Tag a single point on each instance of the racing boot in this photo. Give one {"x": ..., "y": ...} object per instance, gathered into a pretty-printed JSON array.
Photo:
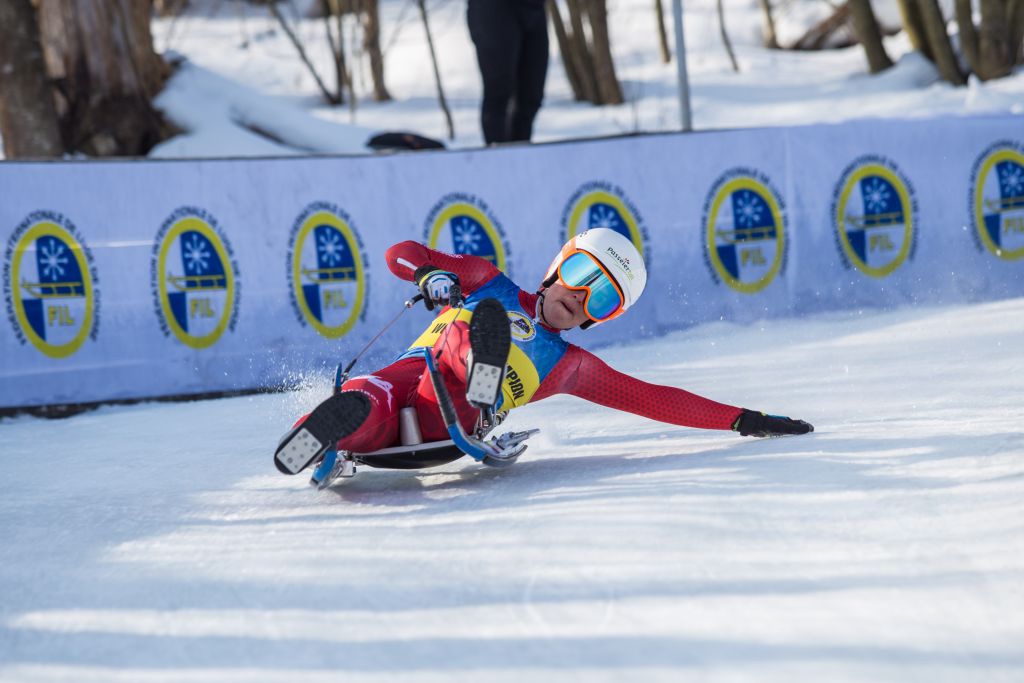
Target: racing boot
[
  {"x": 334, "y": 419},
  {"x": 489, "y": 339}
]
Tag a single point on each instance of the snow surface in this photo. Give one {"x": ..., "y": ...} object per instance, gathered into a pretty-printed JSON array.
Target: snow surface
[{"x": 157, "y": 542}]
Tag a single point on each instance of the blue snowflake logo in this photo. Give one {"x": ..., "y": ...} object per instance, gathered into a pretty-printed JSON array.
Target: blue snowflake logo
[
  {"x": 876, "y": 196},
  {"x": 603, "y": 217},
  {"x": 466, "y": 236},
  {"x": 196, "y": 255},
  {"x": 748, "y": 208},
  {"x": 1011, "y": 177},
  {"x": 53, "y": 260},
  {"x": 331, "y": 247}
]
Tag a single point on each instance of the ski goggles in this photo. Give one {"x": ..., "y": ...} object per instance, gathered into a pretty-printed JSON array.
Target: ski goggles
[{"x": 604, "y": 299}]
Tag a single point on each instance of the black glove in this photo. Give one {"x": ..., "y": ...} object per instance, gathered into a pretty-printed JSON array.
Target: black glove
[
  {"x": 751, "y": 423},
  {"x": 438, "y": 286}
]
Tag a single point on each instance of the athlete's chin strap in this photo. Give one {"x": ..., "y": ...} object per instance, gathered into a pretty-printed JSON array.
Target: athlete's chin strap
[{"x": 538, "y": 314}]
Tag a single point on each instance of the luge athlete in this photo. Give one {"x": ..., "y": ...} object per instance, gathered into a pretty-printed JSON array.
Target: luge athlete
[{"x": 509, "y": 354}]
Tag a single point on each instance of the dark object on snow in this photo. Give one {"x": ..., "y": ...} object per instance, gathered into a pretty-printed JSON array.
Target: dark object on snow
[{"x": 385, "y": 141}]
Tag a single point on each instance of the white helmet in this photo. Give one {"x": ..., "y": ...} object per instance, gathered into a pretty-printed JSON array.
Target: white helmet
[{"x": 618, "y": 258}]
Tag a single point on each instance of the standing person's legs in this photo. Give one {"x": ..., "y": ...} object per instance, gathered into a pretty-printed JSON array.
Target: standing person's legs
[
  {"x": 496, "y": 35},
  {"x": 532, "y": 69}
]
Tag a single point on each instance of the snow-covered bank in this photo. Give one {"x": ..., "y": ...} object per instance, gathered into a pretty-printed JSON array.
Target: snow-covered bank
[
  {"x": 158, "y": 543},
  {"x": 224, "y": 118},
  {"x": 244, "y": 44},
  {"x": 773, "y": 88}
]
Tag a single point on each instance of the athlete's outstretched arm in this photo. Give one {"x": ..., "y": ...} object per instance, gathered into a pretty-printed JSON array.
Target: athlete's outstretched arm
[
  {"x": 583, "y": 374},
  {"x": 405, "y": 258}
]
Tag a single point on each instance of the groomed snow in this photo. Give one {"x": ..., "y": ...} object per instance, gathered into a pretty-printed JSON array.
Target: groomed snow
[{"x": 158, "y": 543}]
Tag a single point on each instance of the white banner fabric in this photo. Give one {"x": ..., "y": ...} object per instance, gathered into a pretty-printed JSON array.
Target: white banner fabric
[{"x": 132, "y": 279}]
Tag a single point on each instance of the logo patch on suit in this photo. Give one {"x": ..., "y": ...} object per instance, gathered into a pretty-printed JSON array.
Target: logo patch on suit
[{"x": 522, "y": 327}]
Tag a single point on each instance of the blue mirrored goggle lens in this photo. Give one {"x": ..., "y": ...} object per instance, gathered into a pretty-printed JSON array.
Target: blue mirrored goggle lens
[{"x": 580, "y": 270}]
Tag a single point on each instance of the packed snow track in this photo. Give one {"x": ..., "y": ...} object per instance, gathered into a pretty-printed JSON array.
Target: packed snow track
[{"x": 157, "y": 542}]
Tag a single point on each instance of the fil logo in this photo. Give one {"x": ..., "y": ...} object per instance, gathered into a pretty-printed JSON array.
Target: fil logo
[
  {"x": 875, "y": 215},
  {"x": 50, "y": 285},
  {"x": 600, "y": 204},
  {"x": 463, "y": 224},
  {"x": 997, "y": 199},
  {"x": 327, "y": 270},
  {"x": 745, "y": 230},
  {"x": 194, "y": 278}
]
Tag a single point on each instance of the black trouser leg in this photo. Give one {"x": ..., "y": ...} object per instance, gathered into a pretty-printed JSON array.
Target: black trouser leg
[
  {"x": 496, "y": 34},
  {"x": 532, "y": 70}
]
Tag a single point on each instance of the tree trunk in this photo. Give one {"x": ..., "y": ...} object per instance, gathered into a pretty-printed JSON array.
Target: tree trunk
[
  {"x": 28, "y": 116},
  {"x": 995, "y": 57},
  {"x": 437, "y": 71},
  {"x": 572, "y": 70},
  {"x": 371, "y": 43},
  {"x": 913, "y": 24},
  {"x": 866, "y": 27},
  {"x": 101, "y": 54},
  {"x": 331, "y": 97},
  {"x": 968, "y": 33},
  {"x": 342, "y": 77},
  {"x": 588, "y": 77},
  {"x": 604, "y": 67},
  {"x": 770, "y": 39},
  {"x": 725, "y": 36},
  {"x": 659, "y": 10},
  {"x": 938, "y": 40},
  {"x": 816, "y": 37},
  {"x": 1015, "y": 12}
]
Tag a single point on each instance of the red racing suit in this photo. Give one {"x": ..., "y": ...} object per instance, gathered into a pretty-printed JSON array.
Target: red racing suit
[{"x": 541, "y": 364}]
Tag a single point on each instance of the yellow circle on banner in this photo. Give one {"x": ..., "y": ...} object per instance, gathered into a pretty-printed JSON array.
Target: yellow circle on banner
[
  {"x": 735, "y": 185},
  {"x": 908, "y": 219},
  {"x": 196, "y": 224},
  {"x": 463, "y": 209},
  {"x": 327, "y": 218},
  {"x": 601, "y": 197},
  {"x": 979, "y": 203},
  {"x": 37, "y": 231}
]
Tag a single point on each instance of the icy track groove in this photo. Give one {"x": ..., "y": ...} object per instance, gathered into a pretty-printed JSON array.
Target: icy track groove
[{"x": 158, "y": 543}]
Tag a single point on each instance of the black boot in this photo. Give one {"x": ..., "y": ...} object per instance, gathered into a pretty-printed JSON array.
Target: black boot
[
  {"x": 490, "y": 338},
  {"x": 334, "y": 419}
]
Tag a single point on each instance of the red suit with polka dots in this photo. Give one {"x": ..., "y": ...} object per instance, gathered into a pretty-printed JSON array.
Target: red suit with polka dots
[{"x": 541, "y": 364}]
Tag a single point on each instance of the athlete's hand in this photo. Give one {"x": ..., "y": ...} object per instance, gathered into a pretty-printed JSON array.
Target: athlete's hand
[
  {"x": 436, "y": 285},
  {"x": 752, "y": 423}
]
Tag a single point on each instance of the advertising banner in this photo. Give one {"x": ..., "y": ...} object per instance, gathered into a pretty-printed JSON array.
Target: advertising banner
[{"x": 133, "y": 279}]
